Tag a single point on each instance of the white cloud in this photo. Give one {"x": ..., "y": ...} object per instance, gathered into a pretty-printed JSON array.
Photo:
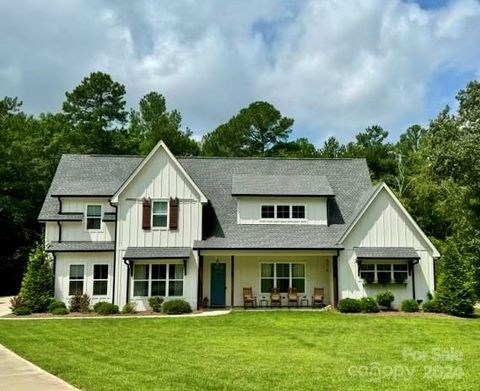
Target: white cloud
[{"x": 334, "y": 66}]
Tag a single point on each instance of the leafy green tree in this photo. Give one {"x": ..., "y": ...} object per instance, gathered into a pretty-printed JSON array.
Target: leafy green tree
[
  {"x": 455, "y": 294},
  {"x": 37, "y": 284},
  {"x": 95, "y": 110},
  {"x": 299, "y": 148},
  {"x": 254, "y": 131},
  {"x": 332, "y": 148},
  {"x": 152, "y": 122}
]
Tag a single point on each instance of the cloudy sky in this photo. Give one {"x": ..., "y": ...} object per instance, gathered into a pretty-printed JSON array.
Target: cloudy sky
[{"x": 334, "y": 66}]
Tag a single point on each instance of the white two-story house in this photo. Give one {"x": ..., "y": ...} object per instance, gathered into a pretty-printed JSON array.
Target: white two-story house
[{"x": 124, "y": 228}]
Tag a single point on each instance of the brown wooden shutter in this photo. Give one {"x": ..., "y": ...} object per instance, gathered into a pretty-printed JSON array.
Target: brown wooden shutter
[
  {"x": 147, "y": 212},
  {"x": 173, "y": 213}
]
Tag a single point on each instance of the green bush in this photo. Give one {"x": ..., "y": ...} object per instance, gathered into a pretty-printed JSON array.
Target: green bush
[
  {"x": 80, "y": 303},
  {"x": 409, "y": 305},
  {"x": 456, "y": 286},
  {"x": 105, "y": 308},
  {"x": 385, "y": 299},
  {"x": 431, "y": 306},
  {"x": 56, "y": 304},
  {"x": 15, "y": 302},
  {"x": 177, "y": 306},
  {"x": 129, "y": 308},
  {"x": 37, "y": 284},
  {"x": 22, "y": 310},
  {"x": 368, "y": 304},
  {"x": 155, "y": 303},
  {"x": 349, "y": 305},
  {"x": 59, "y": 311}
]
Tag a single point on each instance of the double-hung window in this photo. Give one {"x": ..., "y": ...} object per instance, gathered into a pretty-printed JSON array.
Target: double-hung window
[
  {"x": 158, "y": 280},
  {"x": 100, "y": 280},
  {"x": 94, "y": 216},
  {"x": 160, "y": 214},
  {"x": 76, "y": 279},
  {"x": 282, "y": 276}
]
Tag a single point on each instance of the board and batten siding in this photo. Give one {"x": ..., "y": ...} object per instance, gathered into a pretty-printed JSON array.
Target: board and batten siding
[
  {"x": 159, "y": 179},
  {"x": 384, "y": 225},
  {"x": 249, "y": 210}
]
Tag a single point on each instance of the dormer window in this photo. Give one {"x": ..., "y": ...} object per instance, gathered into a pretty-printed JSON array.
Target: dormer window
[
  {"x": 283, "y": 211},
  {"x": 94, "y": 217},
  {"x": 268, "y": 211},
  {"x": 298, "y": 211}
]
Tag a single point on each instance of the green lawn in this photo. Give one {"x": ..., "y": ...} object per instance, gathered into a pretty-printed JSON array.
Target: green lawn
[{"x": 254, "y": 351}]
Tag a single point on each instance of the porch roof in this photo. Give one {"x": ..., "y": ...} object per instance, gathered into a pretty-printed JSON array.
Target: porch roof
[
  {"x": 386, "y": 253},
  {"x": 80, "y": 247},
  {"x": 157, "y": 253}
]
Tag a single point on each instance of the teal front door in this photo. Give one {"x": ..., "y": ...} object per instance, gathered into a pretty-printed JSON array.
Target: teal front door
[{"x": 217, "y": 284}]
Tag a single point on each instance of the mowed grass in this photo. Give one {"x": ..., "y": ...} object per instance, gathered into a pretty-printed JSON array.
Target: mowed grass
[{"x": 254, "y": 351}]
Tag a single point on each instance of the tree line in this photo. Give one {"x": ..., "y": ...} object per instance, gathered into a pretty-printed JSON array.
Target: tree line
[{"x": 434, "y": 170}]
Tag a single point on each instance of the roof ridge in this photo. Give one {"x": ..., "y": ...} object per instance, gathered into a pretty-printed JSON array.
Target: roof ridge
[
  {"x": 102, "y": 155},
  {"x": 267, "y": 158}
]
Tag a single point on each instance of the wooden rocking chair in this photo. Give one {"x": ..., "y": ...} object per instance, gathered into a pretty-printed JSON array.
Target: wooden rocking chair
[
  {"x": 248, "y": 298},
  {"x": 275, "y": 298},
  {"x": 292, "y": 296},
  {"x": 317, "y": 298}
]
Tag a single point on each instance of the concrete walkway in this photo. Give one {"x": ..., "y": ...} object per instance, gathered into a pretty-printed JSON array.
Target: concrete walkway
[
  {"x": 5, "y": 305},
  {"x": 18, "y": 374}
]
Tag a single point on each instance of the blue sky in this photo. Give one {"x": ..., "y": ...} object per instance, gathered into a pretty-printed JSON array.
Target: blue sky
[{"x": 335, "y": 66}]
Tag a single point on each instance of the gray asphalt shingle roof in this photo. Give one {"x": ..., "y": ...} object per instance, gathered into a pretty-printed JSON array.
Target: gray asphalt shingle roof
[
  {"x": 157, "y": 253},
  {"x": 281, "y": 185},
  {"x": 386, "y": 253},
  {"x": 86, "y": 175},
  {"x": 348, "y": 180},
  {"x": 80, "y": 246}
]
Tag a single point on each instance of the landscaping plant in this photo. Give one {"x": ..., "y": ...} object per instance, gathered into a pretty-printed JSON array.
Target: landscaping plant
[
  {"x": 155, "y": 303},
  {"x": 105, "y": 308},
  {"x": 56, "y": 304},
  {"x": 80, "y": 303},
  {"x": 385, "y": 299},
  {"x": 349, "y": 305},
  {"x": 177, "y": 306},
  {"x": 129, "y": 308},
  {"x": 37, "y": 283},
  {"x": 368, "y": 304},
  {"x": 409, "y": 305}
]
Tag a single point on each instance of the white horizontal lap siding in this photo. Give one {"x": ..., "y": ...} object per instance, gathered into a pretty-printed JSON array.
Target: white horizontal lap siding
[
  {"x": 249, "y": 209},
  {"x": 384, "y": 225},
  {"x": 62, "y": 273},
  {"x": 78, "y": 205},
  {"x": 51, "y": 232},
  {"x": 73, "y": 231}
]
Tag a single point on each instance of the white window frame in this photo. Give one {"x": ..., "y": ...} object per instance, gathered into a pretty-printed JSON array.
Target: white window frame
[
  {"x": 100, "y": 279},
  {"x": 392, "y": 270},
  {"x": 290, "y": 274},
  {"x": 84, "y": 290},
  {"x": 167, "y": 214},
  {"x": 101, "y": 218},
  {"x": 167, "y": 280},
  {"x": 290, "y": 210}
]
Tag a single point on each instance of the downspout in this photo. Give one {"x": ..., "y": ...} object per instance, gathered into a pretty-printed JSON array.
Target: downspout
[
  {"x": 335, "y": 279},
  {"x": 127, "y": 262},
  {"x": 59, "y": 231},
  {"x": 414, "y": 262},
  {"x": 114, "y": 251}
]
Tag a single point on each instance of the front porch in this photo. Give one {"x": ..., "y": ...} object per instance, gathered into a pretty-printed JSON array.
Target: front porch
[{"x": 224, "y": 274}]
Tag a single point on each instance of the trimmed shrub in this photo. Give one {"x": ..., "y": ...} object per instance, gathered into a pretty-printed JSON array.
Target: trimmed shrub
[
  {"x": 409, "y": 305},
  {"x": 177, "y": 306},
  {"x": 56, "y": 304},
  {"x": 456, "y": 286},
  {"x": 431, "y": 306},
  {"x": 80, "y": 303},
  {"x": 129, "y": 308},
  {"x": 37, "y": 283},
  {"x": 349, "y": 305},
  {"x": 368, "y": 304},
  {"x": 59, "y": 311},
  {"x": 15, "y": 302},
  {"x": 385, "y": 299},
  {"x": 105, "y": 308},
  {"x": 22, "y": 310},
  {"x": 155, "y": 303}
]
